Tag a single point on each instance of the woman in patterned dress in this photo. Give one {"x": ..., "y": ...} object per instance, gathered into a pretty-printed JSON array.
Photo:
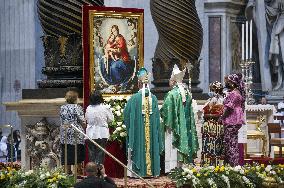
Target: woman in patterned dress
[
  {"x": 212, "y": 130},
  {"x": 72, "y": 113},
  {"x": 233, "y": 117}
]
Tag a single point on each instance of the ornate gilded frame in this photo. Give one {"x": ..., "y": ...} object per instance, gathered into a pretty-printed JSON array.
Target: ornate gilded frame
[{"x": 90, "y": 15}]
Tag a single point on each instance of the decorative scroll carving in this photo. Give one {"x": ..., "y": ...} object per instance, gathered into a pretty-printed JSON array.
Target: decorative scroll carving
[
  {"x": 43, "y": 143},
  {"x": 61, "y": 21},
  {"x": 63, "y": 61}
]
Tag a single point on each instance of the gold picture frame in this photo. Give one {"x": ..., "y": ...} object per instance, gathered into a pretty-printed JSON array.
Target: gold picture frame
[{"x": 115, "y": 49}]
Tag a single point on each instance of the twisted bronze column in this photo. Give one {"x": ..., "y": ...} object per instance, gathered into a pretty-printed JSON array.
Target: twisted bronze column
[{"x": 180, "y": 40}]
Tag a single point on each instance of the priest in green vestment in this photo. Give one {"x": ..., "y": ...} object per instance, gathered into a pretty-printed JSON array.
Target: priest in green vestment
[
  {"x": 142, "y": 119},
  {"x": 179, "y": 125}
]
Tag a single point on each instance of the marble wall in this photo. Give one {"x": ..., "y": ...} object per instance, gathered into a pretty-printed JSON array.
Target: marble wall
[
  {"x": 218, "y": 47},
  {"x": 17, "y": 54}
]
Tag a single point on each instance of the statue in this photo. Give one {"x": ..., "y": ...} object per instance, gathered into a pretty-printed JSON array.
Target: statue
[
  {"x": 43, "y": 144},
  {"x": 269, "y": 18}
]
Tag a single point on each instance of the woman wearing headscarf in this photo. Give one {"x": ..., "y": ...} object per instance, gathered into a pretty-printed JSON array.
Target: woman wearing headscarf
[
  {"x": 233, "y": 117},
  {"x": 212, "y": 130}
]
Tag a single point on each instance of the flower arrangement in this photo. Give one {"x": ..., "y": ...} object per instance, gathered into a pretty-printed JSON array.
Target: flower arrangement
[
  {"x": 117, "y": 104},
  {"x": 41, "y": 177},
  {"x": 248, "y": 176},
  {"x": 14, "y": 165},
  {"x": 119, "y": 133}
]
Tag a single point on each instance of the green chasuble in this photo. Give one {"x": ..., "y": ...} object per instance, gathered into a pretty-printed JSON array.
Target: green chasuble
[
  {"x": 137, "y": 139},
  {"x": 179, "y": 117}
]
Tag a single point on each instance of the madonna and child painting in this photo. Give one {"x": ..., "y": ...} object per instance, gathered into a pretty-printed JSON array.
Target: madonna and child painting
[{"x": 117, "y": 51}]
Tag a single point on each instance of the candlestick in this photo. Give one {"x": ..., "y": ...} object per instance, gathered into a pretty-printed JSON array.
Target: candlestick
[
  {"x": 250, "y": 42},
  {"x": 247, "y": 56},
  {"x": 243, "y": 42}
]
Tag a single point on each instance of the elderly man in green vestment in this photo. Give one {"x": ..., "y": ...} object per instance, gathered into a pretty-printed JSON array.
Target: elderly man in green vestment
[
  {"x": 178, "y": 121},
  {"x": 142, "y": 119}
]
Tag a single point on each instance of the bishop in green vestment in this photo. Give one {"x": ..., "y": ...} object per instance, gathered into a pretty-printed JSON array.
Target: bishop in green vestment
[
  {"x": 178, "y": 121},
  {"x": 142, "y": 119}
]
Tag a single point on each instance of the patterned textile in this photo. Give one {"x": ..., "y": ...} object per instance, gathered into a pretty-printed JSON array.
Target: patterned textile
[
  {"x": 71, "y": 114},
  {"x": 212, "y": 132},
  {"x": 212, "y": 142},
  {"x": 231, "y": 146},
  {"x": 238, "y": 80},
  {"x": 234, "y": 119},
  {"x": 233, "y": 103}
]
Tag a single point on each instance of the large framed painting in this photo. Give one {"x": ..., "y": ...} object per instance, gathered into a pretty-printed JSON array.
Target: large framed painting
[{"x": 113, "y": 49}]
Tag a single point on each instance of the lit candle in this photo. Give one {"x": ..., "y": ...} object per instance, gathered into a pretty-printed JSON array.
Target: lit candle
[
  {"x": 250, "y": 42},
  {"x": 247, "y": 56},
  {"x": 243, "y": 41}
]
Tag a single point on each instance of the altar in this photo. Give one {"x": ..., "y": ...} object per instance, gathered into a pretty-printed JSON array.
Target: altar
[
  {"x": 43, "y": 113},
  {"x": 41, "y": 116},
  {"x": 257, "y": 117}
]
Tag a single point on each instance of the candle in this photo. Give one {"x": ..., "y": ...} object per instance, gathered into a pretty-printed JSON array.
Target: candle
[
  {"x": 250, "y": 42},
  {"x": 247, "y": 40},
  {"x": 243, "y": 42}
]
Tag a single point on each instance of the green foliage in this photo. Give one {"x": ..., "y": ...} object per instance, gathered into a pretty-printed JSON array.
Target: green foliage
[
  {"x": 38, "y": 178},
  {"x": 249, "y": 176}
]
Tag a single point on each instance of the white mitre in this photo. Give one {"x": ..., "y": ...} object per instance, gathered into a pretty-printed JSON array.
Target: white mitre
[{"x": 177, "y": 75}]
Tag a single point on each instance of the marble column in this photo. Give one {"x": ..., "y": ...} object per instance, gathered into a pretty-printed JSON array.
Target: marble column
[
  {"x": 17, "y": 54},
  {"x": 221, "y": 51}
]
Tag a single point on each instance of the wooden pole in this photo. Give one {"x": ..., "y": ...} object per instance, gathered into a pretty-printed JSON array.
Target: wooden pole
[
  {"x": 76, "y": 158},
  {"x": 110, "y": 155},
  {"x": 12, "y": 146},
  {"x": 125, "y": 177},
  {"x": 65, "y": 150}
]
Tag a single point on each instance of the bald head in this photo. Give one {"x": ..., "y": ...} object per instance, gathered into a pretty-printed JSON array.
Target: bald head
[{"x": 91, "y": 169}]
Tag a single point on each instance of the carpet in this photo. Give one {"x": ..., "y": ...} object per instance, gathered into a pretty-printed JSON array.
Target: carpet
[
  {"x": 159, "y": 182},
  {"x": 264, "y": 160}
]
